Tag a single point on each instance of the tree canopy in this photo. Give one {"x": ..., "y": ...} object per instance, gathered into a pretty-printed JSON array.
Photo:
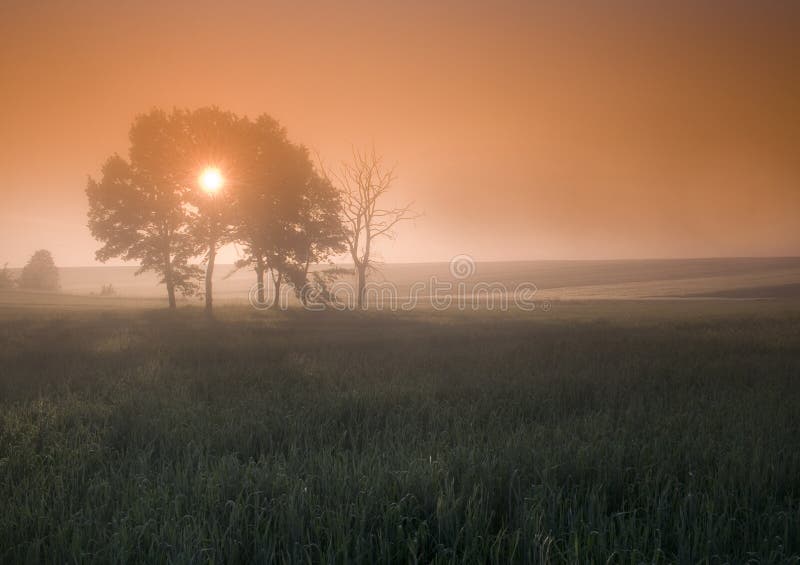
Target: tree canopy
[
  {"x": 149, "y": 208},
  {"x": 138, "y": 207},
  {"x": 40, "y": 272}
]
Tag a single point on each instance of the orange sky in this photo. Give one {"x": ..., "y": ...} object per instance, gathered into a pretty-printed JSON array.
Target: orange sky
[{"x": 522, "y": 130}]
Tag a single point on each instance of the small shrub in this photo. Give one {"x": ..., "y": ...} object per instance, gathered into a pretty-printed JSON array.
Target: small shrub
[{"x": 108, "y": 290}]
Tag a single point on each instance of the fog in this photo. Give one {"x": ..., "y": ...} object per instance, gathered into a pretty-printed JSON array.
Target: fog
[{"x": 521, "y": 132}]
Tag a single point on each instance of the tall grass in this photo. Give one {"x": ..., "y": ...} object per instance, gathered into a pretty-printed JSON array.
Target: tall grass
[{"x": 148, "y": 438}]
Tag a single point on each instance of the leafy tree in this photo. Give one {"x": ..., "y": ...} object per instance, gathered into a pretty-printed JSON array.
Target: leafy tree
[
  {"x": 264, "y": 200},
  {"x": 40, "y": 272},
  {"x": 216, "y": 140},
  {"x": 137, "y": 208},
  {"x": 153, "y": 208},
  {"x": 319, "y": 232},
  {"x": 288, "y": 216}
]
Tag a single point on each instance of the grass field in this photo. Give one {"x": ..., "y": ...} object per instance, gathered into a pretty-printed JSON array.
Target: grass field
[{"x": 621, "y": 432}]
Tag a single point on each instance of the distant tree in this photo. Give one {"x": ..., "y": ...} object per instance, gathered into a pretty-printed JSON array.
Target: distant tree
[
  {"x": 137, "y": 208},
  {"x": 364, "y": 182},
  {"x": 40, "y": 272},
  {"x": 6, "y": 278}
]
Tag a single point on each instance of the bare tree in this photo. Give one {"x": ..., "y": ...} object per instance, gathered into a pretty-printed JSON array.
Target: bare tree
[{"x": 363, "y": 181}]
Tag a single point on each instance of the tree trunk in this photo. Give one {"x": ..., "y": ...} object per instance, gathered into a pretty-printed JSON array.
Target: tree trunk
[
  {"x": 260, "y": 280},
  {"x": 361, "y": 272},
  {"x": 212, "y": 255},
  {"x": 277, "y": 281},
  {"x": 171, "y": 292},
  {"x": 169, "y": 280}
]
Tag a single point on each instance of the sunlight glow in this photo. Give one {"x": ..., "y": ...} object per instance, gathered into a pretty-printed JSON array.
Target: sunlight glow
[{"x": 211, "y": 180}]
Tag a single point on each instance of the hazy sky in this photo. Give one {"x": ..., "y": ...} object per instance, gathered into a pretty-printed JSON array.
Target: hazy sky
[{"x": 522, "y": 130}]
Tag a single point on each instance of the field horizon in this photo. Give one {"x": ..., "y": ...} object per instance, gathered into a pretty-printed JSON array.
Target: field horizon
[{"x": 618, "y": 279}]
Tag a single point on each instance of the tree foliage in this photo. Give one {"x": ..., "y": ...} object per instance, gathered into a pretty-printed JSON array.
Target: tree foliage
[
  {"x": 40, "y": 272},
  {"x": 288, "y": 214},
  {"x": 137, "y": 208},
  {"x": 280, "y": 211}
]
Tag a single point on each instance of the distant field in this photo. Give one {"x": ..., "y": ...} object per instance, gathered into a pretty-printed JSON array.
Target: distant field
[
  {"x": 555, "y": 280},
  {"x": 600, "y": 431}
]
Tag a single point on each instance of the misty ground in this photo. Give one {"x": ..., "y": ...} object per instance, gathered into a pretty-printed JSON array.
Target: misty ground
[
  {"x": 555, "y": 280},
  {"x": 601, "y": 430}
]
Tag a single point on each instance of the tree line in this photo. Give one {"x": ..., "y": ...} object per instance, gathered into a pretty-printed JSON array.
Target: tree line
[{"x": 263, "y": 192}]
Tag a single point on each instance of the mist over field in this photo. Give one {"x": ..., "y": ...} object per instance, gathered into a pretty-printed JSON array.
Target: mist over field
[{"x": 754, "y": 278}]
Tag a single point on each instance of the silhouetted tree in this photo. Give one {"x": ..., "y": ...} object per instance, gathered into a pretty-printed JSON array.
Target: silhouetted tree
[
  {"x": 265, "y": 200},
  {"x": 40, "y": 272},
  {"x": 319, "y": 233},
  {"x": 137, "y": 208},
  {"x": 288, "y": 215},
  {"x": 311, "y": 232},
  {"x": 363, "y": 182},
  {"x": 214, "y": 139},
  {"x": 154, "y": 209}
]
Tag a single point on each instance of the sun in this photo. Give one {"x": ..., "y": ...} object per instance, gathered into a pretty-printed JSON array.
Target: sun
[{"x": 211, "y": 180}]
